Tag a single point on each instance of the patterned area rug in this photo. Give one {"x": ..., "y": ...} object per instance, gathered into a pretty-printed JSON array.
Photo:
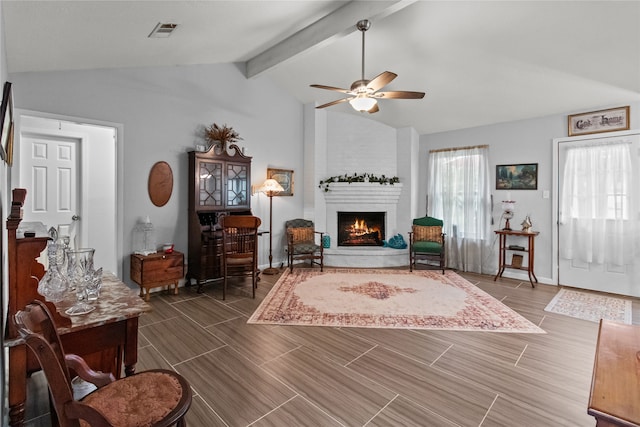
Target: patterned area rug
[
  {"x": 590, "y": 306},
  {"x": 386, "y": 299}
]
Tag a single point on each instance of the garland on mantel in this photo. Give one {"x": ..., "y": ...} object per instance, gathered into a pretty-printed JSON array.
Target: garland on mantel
[{"x": 362, "y": 177}]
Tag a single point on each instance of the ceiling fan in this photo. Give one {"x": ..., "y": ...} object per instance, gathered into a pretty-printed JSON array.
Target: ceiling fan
[{"x": 364, "y": 93}]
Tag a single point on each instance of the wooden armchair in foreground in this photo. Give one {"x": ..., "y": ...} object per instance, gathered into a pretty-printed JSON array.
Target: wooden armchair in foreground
[{"x": 157, "y": 397}]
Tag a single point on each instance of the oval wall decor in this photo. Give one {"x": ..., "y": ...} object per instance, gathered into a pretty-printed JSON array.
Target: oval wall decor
[{"x": 160, "y": 183}]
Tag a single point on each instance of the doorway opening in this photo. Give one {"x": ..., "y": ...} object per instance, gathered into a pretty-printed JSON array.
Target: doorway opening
[{"x": 69, "y": 167}]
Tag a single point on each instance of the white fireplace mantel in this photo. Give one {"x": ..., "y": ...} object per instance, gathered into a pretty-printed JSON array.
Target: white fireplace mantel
[{"x": 363, "y": 193}]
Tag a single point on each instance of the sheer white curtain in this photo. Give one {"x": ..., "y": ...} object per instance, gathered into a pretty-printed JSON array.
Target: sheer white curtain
[
  {"x": 597, "y": 207},
  {"x": 459, "y": 194}
]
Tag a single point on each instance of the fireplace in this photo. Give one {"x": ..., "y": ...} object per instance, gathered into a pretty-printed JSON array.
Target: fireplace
[
  {"x": 364, "y": 198},
  {"x": 361, "y": 228}
]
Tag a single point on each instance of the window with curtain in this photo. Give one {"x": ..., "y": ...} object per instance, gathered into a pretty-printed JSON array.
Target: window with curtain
[
  {"x": 598, "y": 224},
  {"x": 459, "y": 194}
]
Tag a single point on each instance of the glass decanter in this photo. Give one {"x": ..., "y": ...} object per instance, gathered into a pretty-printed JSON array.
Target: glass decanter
[
  {"x": 54, "y": 284},
  {"x": 63, "y": 246}
]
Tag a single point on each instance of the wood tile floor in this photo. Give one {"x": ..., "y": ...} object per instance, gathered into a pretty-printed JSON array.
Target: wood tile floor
[{"x": 255, "y": 375}]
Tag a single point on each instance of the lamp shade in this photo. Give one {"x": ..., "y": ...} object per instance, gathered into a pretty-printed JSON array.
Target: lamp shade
[
  {"x": 363, "y": 103},
  {"x": 271, "y": 186}
]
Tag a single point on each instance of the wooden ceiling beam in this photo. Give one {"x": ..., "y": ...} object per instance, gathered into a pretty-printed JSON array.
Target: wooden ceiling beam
[{"x": 337, "y": 24}]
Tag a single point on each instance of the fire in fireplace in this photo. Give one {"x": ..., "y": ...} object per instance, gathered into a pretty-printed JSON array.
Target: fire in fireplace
[{"x": 361, "y": 228}]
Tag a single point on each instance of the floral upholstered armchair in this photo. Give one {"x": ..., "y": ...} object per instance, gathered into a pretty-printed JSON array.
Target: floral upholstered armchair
[{"x": 302, "y": 243}]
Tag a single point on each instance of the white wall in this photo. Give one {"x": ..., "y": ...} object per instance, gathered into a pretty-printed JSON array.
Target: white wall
[
  {"x": 525, "y": 141},
  {"x": 162, "y": 110},
  {"x": 359, "y": 145}
]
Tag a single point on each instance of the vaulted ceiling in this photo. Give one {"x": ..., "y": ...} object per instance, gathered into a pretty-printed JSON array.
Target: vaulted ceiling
[{"x": 480, "y": 62}]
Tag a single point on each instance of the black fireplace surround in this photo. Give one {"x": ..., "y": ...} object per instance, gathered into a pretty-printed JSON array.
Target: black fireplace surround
[{"x": 361, "y": 228}]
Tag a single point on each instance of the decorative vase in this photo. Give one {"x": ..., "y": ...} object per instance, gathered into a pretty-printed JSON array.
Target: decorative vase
[
  {"x": 326, "y": 241},
  {"x": 54, "y": 284}
]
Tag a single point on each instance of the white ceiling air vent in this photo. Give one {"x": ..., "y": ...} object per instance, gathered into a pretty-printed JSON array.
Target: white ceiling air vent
[{"x": 163, "y": 30}]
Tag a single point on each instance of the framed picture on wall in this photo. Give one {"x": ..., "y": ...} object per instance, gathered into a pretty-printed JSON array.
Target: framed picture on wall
[
  {"x": 517, "y": 177},
  {"x": 6, "y": 124},
  {"x": 610, "y": 120},
  {"x": 284, "y": 178}
]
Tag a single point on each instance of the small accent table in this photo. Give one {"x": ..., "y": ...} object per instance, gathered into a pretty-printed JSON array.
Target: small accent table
[
  {"x": 530, "y": 249},
  {"x": 154, "y": 270}
]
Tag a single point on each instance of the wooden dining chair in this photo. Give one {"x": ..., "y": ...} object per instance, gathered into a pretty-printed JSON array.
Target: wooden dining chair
[
  {"x": 157, "y": 397},
  {"x": 240, "y": 249}
]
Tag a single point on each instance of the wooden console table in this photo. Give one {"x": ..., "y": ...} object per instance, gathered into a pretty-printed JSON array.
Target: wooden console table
[
  {"x": 615, "y": 385},
  {"x": 530, "y": 249},
  {"x": 107, "y": 337}
]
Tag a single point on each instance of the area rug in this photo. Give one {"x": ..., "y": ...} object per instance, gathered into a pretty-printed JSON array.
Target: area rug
[
  {"x": 364, "y": 298},
  {"x": 590, "y": 306}
]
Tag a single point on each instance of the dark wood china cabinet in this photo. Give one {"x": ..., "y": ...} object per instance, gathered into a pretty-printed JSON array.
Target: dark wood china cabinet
[{"x": 219, "y": 184}]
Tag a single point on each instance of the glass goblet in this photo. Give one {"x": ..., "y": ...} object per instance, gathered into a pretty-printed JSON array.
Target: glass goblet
[{"x": 80, "y": 272}]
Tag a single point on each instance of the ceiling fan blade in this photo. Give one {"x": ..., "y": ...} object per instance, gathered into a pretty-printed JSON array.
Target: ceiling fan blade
[
  {"x": 329, "y": 104},
  {"x": 373, "y": 109},
  {"x": 336, "y": 89},
  {"x": 400, "y": 94},
  {"x": 381, "y": 80}
]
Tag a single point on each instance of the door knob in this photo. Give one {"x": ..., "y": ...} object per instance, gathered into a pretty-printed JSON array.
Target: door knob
[{"x": 75, "y": 218}]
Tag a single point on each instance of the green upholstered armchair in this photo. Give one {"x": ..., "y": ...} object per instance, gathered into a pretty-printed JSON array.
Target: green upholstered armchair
[
  {"x": 426, "y": 244},
  {"x": 301, "y": 243}
]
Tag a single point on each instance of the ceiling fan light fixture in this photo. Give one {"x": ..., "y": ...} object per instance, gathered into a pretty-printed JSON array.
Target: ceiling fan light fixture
[
  {"x": 364, "y": 93},
  {"x": 363, "y": 103}
]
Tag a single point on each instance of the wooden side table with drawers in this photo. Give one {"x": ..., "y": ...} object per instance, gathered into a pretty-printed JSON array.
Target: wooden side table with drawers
[{"x": 155, "y": 270}]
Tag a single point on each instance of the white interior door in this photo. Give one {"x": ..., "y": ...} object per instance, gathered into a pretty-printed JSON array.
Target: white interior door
[
  {"x": 600, "y": 276},
  {"x": 50, "y": 171},
  {"x": 69, "y": 168}
]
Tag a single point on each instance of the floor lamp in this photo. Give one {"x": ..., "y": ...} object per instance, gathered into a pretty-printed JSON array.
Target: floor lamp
[{"x": 270, "y": 188}]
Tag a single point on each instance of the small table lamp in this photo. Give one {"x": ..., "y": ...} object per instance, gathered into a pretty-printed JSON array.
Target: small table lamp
[
  {"x": 270, "y": 188},
  {"x": 508, "y": 208}
]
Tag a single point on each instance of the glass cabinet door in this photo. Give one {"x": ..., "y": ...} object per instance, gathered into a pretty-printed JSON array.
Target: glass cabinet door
[
  {"x": 210, "y": 184},
  {"x": 237, "y": 185}
]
